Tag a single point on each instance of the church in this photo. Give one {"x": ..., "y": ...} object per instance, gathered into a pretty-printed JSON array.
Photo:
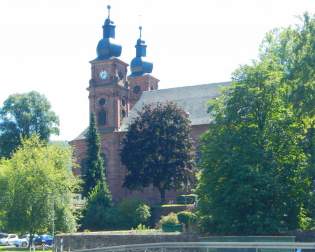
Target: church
[{"x": 115, "y": 96}]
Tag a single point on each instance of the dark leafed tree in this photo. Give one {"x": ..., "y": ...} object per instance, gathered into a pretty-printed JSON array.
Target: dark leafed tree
[
  {"x": 23, "y": 115},
  {"x": 93, "y": 170},
  {"x": 157, "y": 149}
]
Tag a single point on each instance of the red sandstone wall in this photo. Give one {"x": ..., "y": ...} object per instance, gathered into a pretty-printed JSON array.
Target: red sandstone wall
[{"x": 115, "y": 171}]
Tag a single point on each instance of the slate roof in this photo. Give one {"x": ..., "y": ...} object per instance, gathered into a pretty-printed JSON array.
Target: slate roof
[{"x": 193, "y": 99}]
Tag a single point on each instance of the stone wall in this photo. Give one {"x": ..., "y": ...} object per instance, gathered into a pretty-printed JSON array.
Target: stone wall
[{"x": 78, "y": 241}]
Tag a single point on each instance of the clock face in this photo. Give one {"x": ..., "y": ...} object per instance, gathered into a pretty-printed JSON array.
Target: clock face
[{"x": 103, "y": 75}]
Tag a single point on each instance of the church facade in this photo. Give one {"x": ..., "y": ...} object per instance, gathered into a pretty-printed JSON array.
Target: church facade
[{"x": 115, "y": 96}]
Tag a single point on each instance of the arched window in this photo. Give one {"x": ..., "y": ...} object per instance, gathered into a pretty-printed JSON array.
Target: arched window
[
  {"x": 123, "y": 113},
  {"x": 102, "y": 117}
]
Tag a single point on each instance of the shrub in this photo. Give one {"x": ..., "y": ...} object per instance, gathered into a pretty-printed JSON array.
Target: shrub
[
  {"x": 186, "y": 199},
  {"x": 170, "y": 223},
  {"x": 95, "y": 214},
  {"x": 132, "y": 212},
  {"x": 169, "y": 219},
  {"x": 187, "y": 218}
]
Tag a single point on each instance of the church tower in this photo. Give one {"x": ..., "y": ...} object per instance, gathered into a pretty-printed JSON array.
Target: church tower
[
  {"x": 140, "y": 79},
  {"x": 108, "y": 87}
]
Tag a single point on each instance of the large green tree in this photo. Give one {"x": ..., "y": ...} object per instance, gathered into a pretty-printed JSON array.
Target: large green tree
[
  {"x": 157, "y": 149},
  {"x": 256, "y": 165},
  {"x": 93, "y": 166},
  {"x": 23, "y": 115},
  {"x": 253, "y": 178},
  {"x": 293, "y": 49},
  {"x": 37, "y": 184}
]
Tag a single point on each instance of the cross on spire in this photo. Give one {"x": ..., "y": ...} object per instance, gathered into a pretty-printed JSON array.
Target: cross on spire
[
  {"x": 108, "y": 8},
  {"x": 140, "y": 30}
]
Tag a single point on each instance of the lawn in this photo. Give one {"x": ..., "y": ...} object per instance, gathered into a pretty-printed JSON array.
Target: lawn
[{"x": 6, "y": 249}]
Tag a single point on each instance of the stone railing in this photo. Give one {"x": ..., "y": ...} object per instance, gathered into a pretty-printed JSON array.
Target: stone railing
[{"x": 206, "y": 247}]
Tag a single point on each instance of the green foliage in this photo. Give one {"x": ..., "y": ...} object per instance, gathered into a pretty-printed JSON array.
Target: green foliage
[
  {"x": 187, "y": 218},
  {"x": 129, "y": 213},
  {"x": 141, "y": 227},
  {"x": 93, "y": 168},
  {"x": 170, "y": 223},
  {"x": 23, "y": 115},
  {"x": 253, "y": 167},
  {"x": 65, "y": 220},
  {"x": 294, "y": 49},
  {"x": 36, "y": 185},
  {"x": 96, "y": 214},
  {"x": 169, "y": 219},
  {"x": 157, "y": 149},
  {"x": 186, "y": 199}
]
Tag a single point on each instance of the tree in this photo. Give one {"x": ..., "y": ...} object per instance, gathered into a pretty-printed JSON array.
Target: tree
[
  {"x": 293, "y": 49},
  {"x": 93, "y": 168},
  {"x": 23, "y": 115},
  {"x": 253, "y": 168},
  {"x": 96, "y": 214},
  {"x": 37, "y": 185},
  {"x": 157, "y": 149}
]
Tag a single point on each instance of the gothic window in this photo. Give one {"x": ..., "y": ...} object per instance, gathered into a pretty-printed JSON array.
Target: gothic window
[
  {"x": 102, "y": 117},
  {"x": 102, "y": 101},
  {"x": 136, "y": 89}
]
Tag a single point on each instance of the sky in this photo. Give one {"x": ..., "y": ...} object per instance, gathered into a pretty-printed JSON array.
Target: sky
[{"x": 46, "y": 45}]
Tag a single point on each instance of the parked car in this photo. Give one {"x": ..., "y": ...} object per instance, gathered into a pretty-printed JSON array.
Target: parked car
[
  {"x": 3, "y": 235},
  {"x": 9, "y": 239},
  {"x": 44, "y": 239},
  {"x": 21, "y": 242}
]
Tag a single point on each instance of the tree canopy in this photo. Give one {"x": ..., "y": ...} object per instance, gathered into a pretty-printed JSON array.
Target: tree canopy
[
  {"x": 23, "y": 115},
  {"x": 36, "y": 184},
  {"x": 157, "y": 149},
  {"x": 256, "y": 172}
]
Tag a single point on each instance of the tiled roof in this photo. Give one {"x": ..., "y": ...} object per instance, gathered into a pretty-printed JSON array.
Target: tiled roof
[{"x": 193, "y": 99}]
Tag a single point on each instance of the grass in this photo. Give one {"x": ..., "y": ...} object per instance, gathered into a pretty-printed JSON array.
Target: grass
[{"x": 10, "y": 249}]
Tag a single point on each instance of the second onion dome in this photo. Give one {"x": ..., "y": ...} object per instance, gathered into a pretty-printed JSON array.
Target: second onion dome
[{"x": 137, "y": 65}]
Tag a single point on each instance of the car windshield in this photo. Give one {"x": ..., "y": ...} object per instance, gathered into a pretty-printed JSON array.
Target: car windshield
[{"x": 3, "y": 235}]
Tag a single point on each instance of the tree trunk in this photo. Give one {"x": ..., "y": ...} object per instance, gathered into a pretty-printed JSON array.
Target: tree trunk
[
  {"x": 31, "y": 237},
  {"x": 162, "y": 194}
]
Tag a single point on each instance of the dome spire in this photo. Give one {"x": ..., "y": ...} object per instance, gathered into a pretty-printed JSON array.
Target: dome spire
[
  {"x": 138, "y": 66},
  {"x": 105, "y": 48},
  {"x": 140, "y": 32},
  {"x": 108, "y": 10}
]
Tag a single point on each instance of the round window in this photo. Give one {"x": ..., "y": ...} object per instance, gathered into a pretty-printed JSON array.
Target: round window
[{"x": 102, "y": 101}]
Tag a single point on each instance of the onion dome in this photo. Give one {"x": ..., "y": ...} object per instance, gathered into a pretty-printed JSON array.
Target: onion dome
[
  {"x": 137, "y": 65},
  {"x": 106, "y": 49}
]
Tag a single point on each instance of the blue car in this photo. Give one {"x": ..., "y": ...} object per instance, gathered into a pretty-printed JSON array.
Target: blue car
[{"x": 45, "y": 239}]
